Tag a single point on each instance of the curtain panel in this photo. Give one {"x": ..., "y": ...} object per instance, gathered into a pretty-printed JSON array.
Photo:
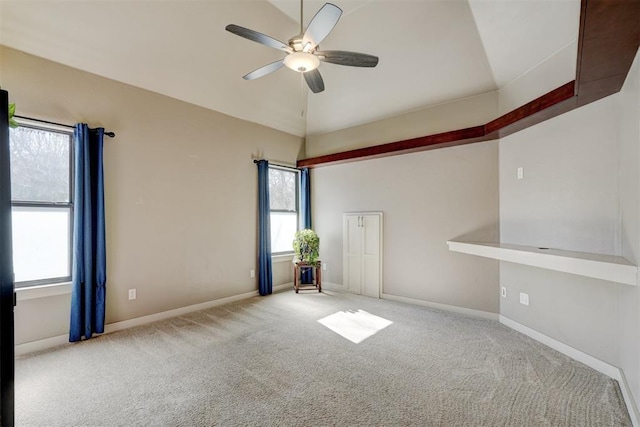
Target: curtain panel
[
  {"x": 89, "y": 249},
  {"x": 265, "y": 277}
]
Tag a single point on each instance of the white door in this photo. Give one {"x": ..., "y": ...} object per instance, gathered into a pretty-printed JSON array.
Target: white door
[{"x": 362, "y": 253}]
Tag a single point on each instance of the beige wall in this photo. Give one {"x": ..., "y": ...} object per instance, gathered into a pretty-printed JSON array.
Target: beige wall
[
  {"x": 459, "y": 114},
  {"x": 427, "y": 198},
  {"x": 180, "y": 192}
]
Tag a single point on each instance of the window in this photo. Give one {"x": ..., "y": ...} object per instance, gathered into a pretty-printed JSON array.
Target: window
[
  {"x": 41, "y": 200},
  {"x": 283, "y": 197}
]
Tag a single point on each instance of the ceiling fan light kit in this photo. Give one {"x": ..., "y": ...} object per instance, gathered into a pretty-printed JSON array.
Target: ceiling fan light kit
[
  {"x": 301, "y": 61},
  {"x": 302, "y": 55}
]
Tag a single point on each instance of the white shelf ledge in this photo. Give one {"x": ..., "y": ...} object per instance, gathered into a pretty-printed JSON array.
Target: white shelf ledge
[{"x": 605, "y": 267}]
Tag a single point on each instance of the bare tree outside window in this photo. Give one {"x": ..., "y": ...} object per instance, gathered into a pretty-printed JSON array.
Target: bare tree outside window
[
  {"x": 282, "y": 190},
  {"x": 39, "y": 165}
]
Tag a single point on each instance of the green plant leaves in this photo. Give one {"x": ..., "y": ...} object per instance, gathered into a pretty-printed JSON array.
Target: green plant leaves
[
  {"x": 306, "y": 246},
  {"x": 12, "y": 112}
]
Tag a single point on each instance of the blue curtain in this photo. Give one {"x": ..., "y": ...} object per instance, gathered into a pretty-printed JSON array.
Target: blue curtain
[
  {"x": 305, "y": 212},
  {"x": 305, "y": 197},
  {"x": 265, "y": 279},
  {"x": 89, "y": 256}
]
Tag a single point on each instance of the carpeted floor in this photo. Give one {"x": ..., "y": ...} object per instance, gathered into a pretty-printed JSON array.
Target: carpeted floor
[{"x": 269, "y": 362}]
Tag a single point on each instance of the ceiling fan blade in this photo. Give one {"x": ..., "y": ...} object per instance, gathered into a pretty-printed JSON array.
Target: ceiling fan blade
[
  {"x": 314, "y": 81},
  {"x": 321, "y": 25},
  {"x": 263, "y": 71},
  {"x": 343, "y": 57},
  {"x": 257, "y": 37}
]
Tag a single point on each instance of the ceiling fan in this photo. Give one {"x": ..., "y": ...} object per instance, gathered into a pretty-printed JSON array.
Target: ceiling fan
[{"x": 302, "y": 51}]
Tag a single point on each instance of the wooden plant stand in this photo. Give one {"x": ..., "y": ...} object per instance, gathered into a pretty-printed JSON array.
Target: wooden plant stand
[{"x": 301, "y": 266}]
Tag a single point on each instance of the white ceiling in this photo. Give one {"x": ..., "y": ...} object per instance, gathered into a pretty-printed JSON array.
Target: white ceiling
[{"x": 431, "y": 51}]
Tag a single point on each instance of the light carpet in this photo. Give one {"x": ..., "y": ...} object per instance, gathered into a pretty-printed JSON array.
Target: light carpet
[{"x": 267, "y": 361}]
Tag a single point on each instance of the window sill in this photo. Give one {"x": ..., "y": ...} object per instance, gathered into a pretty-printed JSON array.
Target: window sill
[
  {"x": 43, "y": 291},
  {"x": 282, "y": 258}
]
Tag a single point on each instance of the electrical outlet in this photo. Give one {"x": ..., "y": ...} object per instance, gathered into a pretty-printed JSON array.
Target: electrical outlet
[
  {"x": 524, "y": 298},
  {"x": 503, "y": 292},
  {"x": 324, "y": 266},
  {"x": 252, "y": 274},
  {"x": 132, "y": 294},
  {"x": 520, "y": 172}
]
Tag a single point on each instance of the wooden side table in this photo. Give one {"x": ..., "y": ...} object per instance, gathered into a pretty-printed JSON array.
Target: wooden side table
[{"x": 299, "y": 267}]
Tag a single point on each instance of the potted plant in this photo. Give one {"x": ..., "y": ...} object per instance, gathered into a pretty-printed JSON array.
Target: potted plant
[{"x": 306, "y": 246}]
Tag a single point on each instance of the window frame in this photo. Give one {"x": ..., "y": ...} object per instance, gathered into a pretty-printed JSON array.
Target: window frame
[
  {"x": 52, "y": 205},
  {"x": 297, "y": 211}
]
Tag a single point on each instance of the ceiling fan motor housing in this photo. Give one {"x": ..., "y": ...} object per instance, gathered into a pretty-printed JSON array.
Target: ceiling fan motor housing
[{"x": 298, "y": 46}]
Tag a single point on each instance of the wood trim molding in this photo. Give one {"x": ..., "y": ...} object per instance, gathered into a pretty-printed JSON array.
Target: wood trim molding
[{"x": 608, "y": 40}]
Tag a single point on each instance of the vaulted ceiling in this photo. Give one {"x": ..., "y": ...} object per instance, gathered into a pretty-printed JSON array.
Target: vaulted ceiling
[{"x": 431, "y": 51}]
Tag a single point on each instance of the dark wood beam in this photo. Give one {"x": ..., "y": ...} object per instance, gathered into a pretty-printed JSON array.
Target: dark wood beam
[
  {"x": 430, "y": 142},
  {"x": 549, "y": 105},
  {"x": 608, "y": 40},
  {"x": 607, "y": 44}
]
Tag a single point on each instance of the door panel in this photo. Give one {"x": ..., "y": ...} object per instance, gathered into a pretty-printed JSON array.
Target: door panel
[
  {"x": 371, "y": 276},
  {"x": 352, "y": 239},
  {"x": 371, "y": 255},
  {"x": 352, "y": 244},
  {"x": 371, "y": 234},
  {"x": 353, "y": 273}
]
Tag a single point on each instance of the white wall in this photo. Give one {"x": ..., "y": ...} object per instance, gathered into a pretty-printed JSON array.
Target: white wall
[
  {"x": 628, "y": 118},
  {"x": 579, "y": 192},
  {"x": 180, "y": 188},
  {"x": 553, "y": 72},
  {"x": 427, "y": 198},
  {"x": 568, "y": 198}
]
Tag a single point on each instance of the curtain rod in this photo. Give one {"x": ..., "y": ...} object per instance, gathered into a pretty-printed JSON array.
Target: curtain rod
[
  {"x": 276, "y": 164},
  {"x": 110, "y": 134}
]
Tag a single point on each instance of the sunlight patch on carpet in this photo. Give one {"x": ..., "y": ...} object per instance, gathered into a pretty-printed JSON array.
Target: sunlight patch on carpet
[{"x": 355, "y": 325}]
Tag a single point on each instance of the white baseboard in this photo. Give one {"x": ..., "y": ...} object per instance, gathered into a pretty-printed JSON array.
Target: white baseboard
[
  {"x": 445, "y": 307},
  {"x": 46, "y": 343},
  {"x": 592, "y": 362},
  {"x": 42, "y": 344},
  {"x": 461, "y": 310},
  {"x": 332, "y": 287}
]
